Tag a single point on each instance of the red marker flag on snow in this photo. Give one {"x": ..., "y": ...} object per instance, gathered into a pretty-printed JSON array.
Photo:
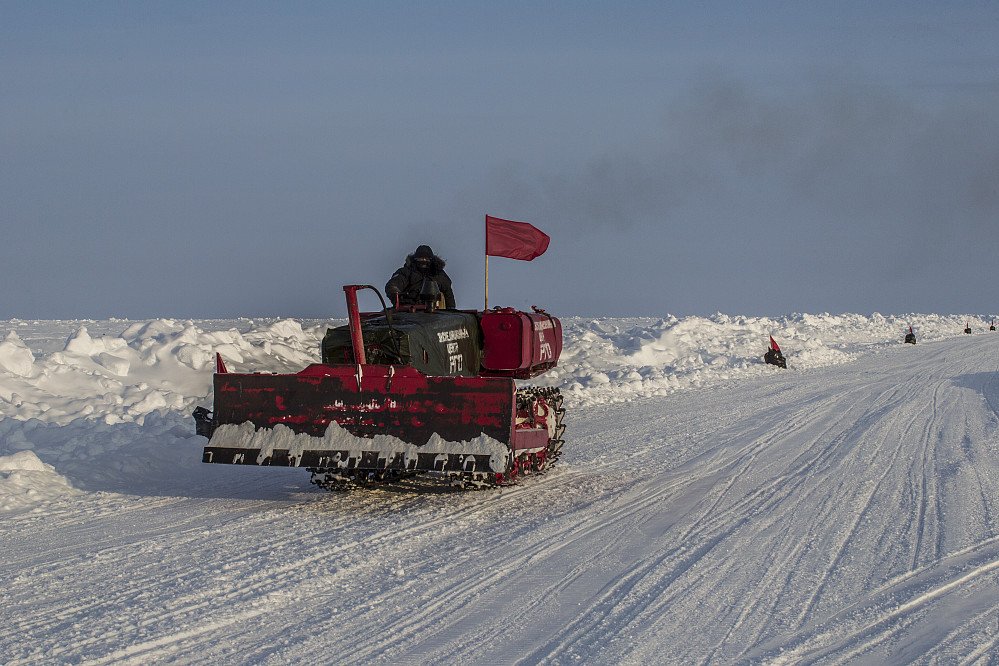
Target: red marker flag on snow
[
  {"x": 773, "y": 345},
  {"x": 515, "y": 240}
]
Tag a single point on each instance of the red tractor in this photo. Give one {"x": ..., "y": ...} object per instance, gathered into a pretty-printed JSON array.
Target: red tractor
[{"x": 401, "y": 392}]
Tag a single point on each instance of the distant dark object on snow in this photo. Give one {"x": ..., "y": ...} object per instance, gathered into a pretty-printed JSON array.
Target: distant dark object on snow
[
  {"x": 773, "y": 355},
  {"x": 992, "y": 326},
  {"x": 967, "y": 328},
  {"x": 910, "y": 337}
]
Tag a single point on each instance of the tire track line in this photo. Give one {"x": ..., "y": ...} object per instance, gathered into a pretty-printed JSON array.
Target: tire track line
[
  {"x": 923, "y": 490},
  {"x": 892, "y": 622},
  {"x": 711, "y": 528},
  {"x": 858, "y": 515}
]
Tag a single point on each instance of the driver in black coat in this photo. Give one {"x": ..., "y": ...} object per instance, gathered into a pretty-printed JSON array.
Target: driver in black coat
[{"x": 405, "y": 285}]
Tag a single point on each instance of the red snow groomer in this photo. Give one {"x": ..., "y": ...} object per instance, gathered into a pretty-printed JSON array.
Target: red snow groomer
[{"x": 401, "y": 392}]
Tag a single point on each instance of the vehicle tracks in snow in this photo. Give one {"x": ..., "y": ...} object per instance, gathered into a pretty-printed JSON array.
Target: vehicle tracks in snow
[{"x": 824, "y": 514}]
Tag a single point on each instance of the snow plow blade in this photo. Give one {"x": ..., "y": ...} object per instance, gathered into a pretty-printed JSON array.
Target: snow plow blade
[{"x": 365, "y": 417}]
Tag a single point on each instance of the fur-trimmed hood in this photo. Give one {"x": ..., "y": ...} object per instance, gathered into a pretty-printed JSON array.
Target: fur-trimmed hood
[{"x": 438, "y": 263}]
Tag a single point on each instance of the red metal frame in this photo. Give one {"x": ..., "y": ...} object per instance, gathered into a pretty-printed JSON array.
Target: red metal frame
[
  {"x": 354, "y": 321},
  {"x": 369, "y": 400}
]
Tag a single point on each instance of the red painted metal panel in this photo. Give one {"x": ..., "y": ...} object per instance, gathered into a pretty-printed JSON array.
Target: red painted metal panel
[
  {"x": 369, "y": 400},
  {"x": 547, "y": 340},
  {"x": 518, "y": 344},
  {"x": 503, "y": 340},
  {"x": 532, "y": 438}
]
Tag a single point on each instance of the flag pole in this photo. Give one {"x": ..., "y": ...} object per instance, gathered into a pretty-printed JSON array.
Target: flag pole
[{"x": 487, "y": 264}]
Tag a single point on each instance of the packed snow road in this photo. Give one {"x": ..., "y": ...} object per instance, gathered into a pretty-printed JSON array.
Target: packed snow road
[{"x": 846, "y": 514}]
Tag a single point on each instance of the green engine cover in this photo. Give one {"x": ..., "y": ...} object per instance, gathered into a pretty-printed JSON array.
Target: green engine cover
[{"x": 441, "y": 343}]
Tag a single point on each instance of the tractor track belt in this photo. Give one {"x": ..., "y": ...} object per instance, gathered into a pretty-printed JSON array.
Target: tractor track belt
[{"x": 345, "y": 480}]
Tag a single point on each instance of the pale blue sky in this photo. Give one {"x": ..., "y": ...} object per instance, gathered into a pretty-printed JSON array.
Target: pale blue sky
[{"x": 247, "y": 159}]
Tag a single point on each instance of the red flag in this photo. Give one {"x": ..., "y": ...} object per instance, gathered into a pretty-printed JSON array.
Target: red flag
[
  {"x": 516, "y": 240},
  {"x": 773, "y": 345}
]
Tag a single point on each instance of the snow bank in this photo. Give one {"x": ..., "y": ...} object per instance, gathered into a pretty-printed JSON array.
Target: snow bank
[
  {"x": 96, "y": 400},
  {"x": 165, "y": 365},
  {"x": 25, "y": 481},
  {"x": 157, "y": 365},
  {"x": 617, "y": 360}
]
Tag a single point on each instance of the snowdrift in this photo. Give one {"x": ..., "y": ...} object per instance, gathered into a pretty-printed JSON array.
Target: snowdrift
[
  {"x": 85, "y": 402},
  {"x": 617, "y": 360}
]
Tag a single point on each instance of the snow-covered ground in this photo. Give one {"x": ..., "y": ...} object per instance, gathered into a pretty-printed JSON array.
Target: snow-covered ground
[{"x": 708, "y": 508}]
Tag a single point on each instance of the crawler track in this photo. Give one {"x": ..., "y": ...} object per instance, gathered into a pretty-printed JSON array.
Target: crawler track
[{"x": 534, "y": 404}]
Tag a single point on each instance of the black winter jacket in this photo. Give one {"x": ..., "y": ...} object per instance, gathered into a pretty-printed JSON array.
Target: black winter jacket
[{"x": 407, "y": 282}]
